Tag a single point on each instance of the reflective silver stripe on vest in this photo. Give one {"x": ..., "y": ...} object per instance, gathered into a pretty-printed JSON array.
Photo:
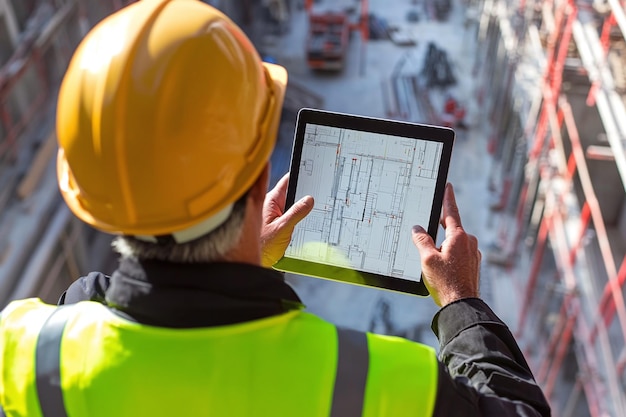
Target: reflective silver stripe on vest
[
  {"x": 48, "y": 363},
  {"x": 352, "y": 366}
]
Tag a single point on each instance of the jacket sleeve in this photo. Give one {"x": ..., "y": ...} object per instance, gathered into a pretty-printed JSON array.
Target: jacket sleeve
[
  {"x": 88, "y": 288},
  {"x": 482, "y": 371}
]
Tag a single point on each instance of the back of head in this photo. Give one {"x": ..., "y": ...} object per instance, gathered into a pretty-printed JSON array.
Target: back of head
[{"x": 166, "y": 117}]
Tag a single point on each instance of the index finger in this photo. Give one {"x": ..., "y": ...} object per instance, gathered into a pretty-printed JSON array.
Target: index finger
[{"x": 451, "y": 217}]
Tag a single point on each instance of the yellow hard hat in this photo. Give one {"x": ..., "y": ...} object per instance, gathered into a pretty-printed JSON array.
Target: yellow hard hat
[{"x": 166, "y": 116}]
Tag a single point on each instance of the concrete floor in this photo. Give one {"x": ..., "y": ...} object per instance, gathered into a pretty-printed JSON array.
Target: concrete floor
[{"x": 358, "y": 89}]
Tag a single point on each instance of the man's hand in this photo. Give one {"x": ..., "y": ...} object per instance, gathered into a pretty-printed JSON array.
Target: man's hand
[
  {"x": 278, "y": 225},
  {"x": 451, "y": 272}
]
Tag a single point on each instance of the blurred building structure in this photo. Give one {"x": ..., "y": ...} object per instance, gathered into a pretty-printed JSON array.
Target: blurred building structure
[
  {"x": 43, "y": 247},
  {"x": 554, "y": 84},
  {"x": 553, "y": 80}
]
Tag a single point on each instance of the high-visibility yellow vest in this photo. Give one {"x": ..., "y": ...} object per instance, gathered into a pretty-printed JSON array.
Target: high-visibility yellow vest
[{"x": 294, "y": 364}]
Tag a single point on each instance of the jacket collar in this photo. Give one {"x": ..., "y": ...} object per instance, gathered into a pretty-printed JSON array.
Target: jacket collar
[{"x": 198, "y": 295}]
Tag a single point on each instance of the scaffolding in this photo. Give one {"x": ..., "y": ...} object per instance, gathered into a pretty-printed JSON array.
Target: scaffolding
[
  {"x": 553, "y": 72},
  {"x": 41, "y": 246}
]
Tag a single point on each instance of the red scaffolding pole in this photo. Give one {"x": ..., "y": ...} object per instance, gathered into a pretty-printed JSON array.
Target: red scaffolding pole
[
  {"x": 609, "y": 23},
  {"x": 596, "y": 215},
  {"x": 576, "y": 326},
  {"x": 569, "y": 322},
  {"x": 606, "y": 306},
  {"x": 540, "y": 248},
  {"x": 556, "y": 52}
]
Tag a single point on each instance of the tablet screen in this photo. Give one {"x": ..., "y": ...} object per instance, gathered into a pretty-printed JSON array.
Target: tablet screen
[{"x": 370, "y": 187}]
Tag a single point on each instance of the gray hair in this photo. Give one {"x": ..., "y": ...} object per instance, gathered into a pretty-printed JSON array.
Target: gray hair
[{"x": 208, "y": 248}]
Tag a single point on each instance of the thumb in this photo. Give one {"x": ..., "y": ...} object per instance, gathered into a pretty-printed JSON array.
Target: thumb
[
  {"x": 298, "y": 211},
  {"x": 422, "y": 240}
]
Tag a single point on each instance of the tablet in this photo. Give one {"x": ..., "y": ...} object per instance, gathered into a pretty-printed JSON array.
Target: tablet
[{"x": 372, "y": 180}]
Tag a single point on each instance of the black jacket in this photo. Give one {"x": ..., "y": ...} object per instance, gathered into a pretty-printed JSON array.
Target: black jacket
[{"x": 482, "y": 372}]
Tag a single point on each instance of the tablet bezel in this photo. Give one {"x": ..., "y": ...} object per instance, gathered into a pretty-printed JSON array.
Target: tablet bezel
[{"x": 410, "y": 130}]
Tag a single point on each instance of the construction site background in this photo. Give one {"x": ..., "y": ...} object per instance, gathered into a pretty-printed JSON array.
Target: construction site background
[{"x": 535, "y": 91}]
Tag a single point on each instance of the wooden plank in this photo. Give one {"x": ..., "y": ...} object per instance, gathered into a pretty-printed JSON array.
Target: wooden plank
[{"x": 38, "y": 167}]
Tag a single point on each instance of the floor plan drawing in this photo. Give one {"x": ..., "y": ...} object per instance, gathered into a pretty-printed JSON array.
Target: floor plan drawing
[{"x": 369, "y": 190}]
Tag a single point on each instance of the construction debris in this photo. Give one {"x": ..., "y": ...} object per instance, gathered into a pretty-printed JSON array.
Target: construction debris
[
  {"x": 378, "y": 28},
  {"x": 401, "y": 37},
  {"x": 437, "y": 70},
  {"x": 453, "y": 113}
]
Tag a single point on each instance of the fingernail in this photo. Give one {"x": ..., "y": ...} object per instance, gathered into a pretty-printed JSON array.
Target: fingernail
[{"x": 418, "y": 229}]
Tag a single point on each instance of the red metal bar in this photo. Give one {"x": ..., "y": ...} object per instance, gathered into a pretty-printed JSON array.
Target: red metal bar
[
  {"x": 592, "y": 385},
  {"x": 365, "y": 31},
  {"x": 572, "y": 325},
  {"x": 552, "y": 343},
  {"x": 564, "y": 342},
  {"x": 554, "y": 70},
  {"x": 548, "y": 86},
  {"x": 542, "y": 126},
  {"x": 610, "y": 307},
  {"x": 590, "y": 394},
  {"x": 540, "y": 247},
  {"x": 606, "y": 307},
  {"x": 596, "y": 214},
  {"x": 609, "y": 22},
  {"x": 551, "y": 89},
  {"x": 581, "y": 332},
  {"x": 364, "y": 28},
  {"x": 519, "y": 215},
  {"x": 570, "y": 306},
  {"x": 585, "y": 215},
  {"x": 566, "y": 37}
]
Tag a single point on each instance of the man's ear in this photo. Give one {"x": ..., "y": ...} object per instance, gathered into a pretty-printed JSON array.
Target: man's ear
[{"x": 259, "y": 188}]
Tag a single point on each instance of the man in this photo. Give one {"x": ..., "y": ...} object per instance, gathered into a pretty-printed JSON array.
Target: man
[{"x": 166, "y": 122}]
